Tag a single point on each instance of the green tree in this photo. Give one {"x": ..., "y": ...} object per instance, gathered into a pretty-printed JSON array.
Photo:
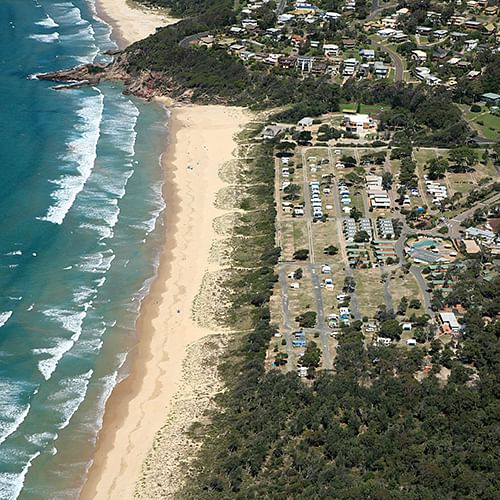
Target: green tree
[
  {"x": 356, "y": 214},
  {"x": 387, "y": 179},
  {"x": 292, "y": 191},
  {"x": 463, "y": 158},
  {"x": 307, "y": 319},
  {"x": 331, "y": 250},
  {"x": 415, "y": 304},
  {"x": 302, "y": 254},
  {"x": 312, "y": 356},
  {"x": 437, "y": 167},
  {"x": 391, "y": 328},
  {"x": 361, "y": 237}
]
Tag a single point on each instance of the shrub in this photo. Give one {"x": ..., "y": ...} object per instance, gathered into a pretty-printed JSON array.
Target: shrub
[
  {"x": 307, "y": 319},
  {"x": 302, "y": 254}
]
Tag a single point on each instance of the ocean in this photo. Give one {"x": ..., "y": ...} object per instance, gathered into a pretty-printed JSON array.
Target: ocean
[{"x": 80, "y": 236}]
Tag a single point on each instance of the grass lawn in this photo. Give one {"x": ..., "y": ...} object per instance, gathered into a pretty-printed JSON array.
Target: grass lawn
[
  {"x": 404, "y": 285},
  {"x": 422, "y": 156},
  {"x": 348, "y": 106},
  {"x": 461, "y": 183},
  {"x": 357, "y": 201},
  {"x": 486, "y": 124},
  {"x": 373, "y": 108},
  {"x": 369, "y": 290},
  {"x": 301, "y": 300},
  {"x": 293, "y": 237},
  {"x": 488, "y": 170}
]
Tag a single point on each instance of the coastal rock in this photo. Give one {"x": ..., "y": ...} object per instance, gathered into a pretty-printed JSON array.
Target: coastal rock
[{"x": 144, "y": 84}]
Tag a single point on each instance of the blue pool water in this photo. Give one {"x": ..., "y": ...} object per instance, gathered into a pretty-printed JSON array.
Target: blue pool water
[{"x": 80, "y": 232}]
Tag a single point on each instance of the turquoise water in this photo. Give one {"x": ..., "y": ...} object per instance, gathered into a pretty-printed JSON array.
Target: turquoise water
[
  {"x": 424, "y": 244},
  {"x": 80, "y": 199}
]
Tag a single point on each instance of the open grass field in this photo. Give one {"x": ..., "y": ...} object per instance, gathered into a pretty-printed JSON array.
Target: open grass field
[
  {"x": 461, "y": 183},
  {"x": 404, "y": 285},
  {"x": 484, "y": 170},
  {"x": 486, "y": 124},
  {"x": 369, "y": 290},
  {"x": 373, "y": 109},
  {"x": 348, "y": 106},
  {"x": 293, "y": 237},
  {"x": 301, "y": 300}
]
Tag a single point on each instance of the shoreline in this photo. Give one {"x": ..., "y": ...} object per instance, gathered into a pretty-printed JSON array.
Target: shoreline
[
  {"x": 131, "y": 21},
  {"x": 202, "y": 138}
]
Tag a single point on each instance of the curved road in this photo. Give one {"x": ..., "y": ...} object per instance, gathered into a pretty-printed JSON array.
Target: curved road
[
  {"x": 396, "y": 59},
  {"x": 186, "y": 41}
]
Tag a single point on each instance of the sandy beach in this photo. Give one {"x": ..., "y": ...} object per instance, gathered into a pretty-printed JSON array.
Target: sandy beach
[
  {"x": 131, "y": 21},
  {"x": 201, "y": 139}
]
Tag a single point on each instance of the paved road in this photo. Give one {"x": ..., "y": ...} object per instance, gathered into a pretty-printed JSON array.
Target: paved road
[
  {"x": 397, "y": 60},
  {"x": 186, "y": 41},
  {"x": 283, "y": 280},
  {"x": 281, "y": 7},
  {"x": 375, "y": 9},
  {"x": 415, "y": 270},
  {"x": 324, "y": 334},
  {"x": 417, "y": 273},
  {"x": 387, "y": 294},
  {"x": 314, "y": 270}
]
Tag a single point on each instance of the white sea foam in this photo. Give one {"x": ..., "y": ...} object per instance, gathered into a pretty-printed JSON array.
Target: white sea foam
[
  {"x": 83, "y": 296},
  {"x": 99, "y": 204},
  {"x": 68, "y": 14},
  {"x": 48, "y": 366},
  {"x": 12, "y": 483},
  {"x": 48, "y": 22},
  {"x": 100, "y": 282},
  {"x": 4, "y": 317},
  {"x": 71, "y": 321},
  {"x": 46, "y": 37},
  {"x": 82, "y": 152},
  {"x": 98, "y": 262},
  {"x": 159, "y": 205},
  {"x": 103, "y": 209},
  {"x": 76, "y": 388},
  {"x": 15, "y": 252},
  {"x": 12, "y": 415},
  {"x": 40, "y": 439}
]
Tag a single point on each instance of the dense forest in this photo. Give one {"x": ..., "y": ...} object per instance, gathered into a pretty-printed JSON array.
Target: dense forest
[{"x": 376, "y": 427}]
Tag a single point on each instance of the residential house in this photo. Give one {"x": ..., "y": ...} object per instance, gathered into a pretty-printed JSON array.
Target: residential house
[
  {"x": 367, "y": 53},
  {"x": 348, "y": 43},
  {"x": 480, "y": 234},
  {"x": 380, "y": 70},
  {"x": 440, "y": 34},
  {"x": 330, "y": 49},
  {"x": 491, "y": 98},
  {"x": 449, "y": 322},
  {"x": 473, "y": 25},
  {"x": 349, "y": 67},
  {"x": 419, "y": 55},
  {"x": 398, "y": 37},
  {"x": 423, "y": 30},
  {"x": 470, "y": 44}
]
